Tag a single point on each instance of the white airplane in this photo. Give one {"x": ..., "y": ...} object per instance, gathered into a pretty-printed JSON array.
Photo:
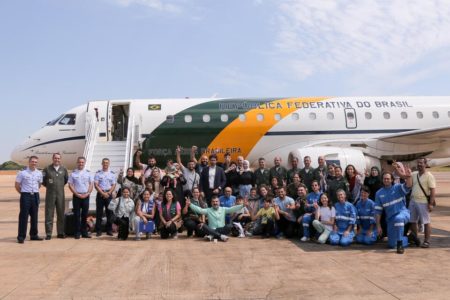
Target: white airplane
[{"x": 363, "y": 131}]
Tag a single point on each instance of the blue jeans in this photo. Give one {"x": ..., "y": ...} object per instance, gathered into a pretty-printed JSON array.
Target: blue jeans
[
  {"x": 29, "y": 206},
  {"x": 306, "y": 222}
]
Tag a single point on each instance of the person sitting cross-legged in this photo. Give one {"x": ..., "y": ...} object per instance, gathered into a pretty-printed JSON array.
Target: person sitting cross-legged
[{"x": 216, "y": 228}]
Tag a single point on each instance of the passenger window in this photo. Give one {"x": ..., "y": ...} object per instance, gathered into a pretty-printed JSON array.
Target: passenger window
[
  {"x": 206, "y": 118},
  {"x": 224, "y": 117},
  {"x": 368, "y": 115},
  {"x": 295, "y": 116},
  {"x": 277, "y": 117},
  {"x": 435, "y": 115},
  {"x": 404, "y": 115},
  {"x": 170, "y": 119},
  {"x": 259, "y": 117},
  {"x": 419, "y": 115},
  {"x": 312, "y": 116},
  {"x": 188, "y": 118},
  {"x": 330, "y": 116},
  {"x": 386, "y": 115},
  {"x": 242, "y": 117},
  {"x": 68, "y": 119}
]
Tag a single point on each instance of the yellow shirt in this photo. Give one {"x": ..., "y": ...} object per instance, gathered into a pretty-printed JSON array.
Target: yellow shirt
[
  {"x": 266, "y": 214},
  {"x": 427, "y": 181}
]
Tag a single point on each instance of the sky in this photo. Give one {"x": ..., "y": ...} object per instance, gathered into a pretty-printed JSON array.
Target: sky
[{"x": 58, "y": 54}]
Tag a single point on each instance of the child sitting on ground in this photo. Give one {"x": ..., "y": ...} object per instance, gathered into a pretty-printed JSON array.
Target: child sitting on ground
[
  {"x": 268, "y": 215},
  {"x": 242, "y": 217}
]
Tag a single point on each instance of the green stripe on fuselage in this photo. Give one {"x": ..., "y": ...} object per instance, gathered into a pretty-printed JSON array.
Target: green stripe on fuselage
[{"x": 162, "y": 142}]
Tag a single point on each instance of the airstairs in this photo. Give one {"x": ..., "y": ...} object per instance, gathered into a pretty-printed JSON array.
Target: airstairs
[{"x": 120, "y": 153}]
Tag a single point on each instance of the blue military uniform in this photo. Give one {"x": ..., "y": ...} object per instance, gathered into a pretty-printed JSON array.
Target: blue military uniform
[
  {"x": 80, "y": 180},
  {"x": 365, "y": 210},
  {"x": 308, "y": 217},
  {"x": 29, "y": 202},
  {"x": 393, "y": 201},
  {"x": 105, "y": 180},
  {"x": 345, "y": 216}
]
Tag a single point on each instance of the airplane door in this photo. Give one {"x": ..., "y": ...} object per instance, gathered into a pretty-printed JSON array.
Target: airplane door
[
  {"x": 350, "y": 118},
  {"x": 99, "y": 112}
]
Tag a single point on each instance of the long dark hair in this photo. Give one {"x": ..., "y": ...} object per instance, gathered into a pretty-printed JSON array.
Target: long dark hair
[
  {"x": 165, "y": 196},
  {"x": 329, "y": 201}
]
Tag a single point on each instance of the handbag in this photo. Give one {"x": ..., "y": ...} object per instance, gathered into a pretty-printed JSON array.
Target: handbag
[
  {"x": 423, "y": 190},
  {"x": 114, "y": 218}
]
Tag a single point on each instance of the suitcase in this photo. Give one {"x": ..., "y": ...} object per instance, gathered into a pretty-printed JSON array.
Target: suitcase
[{"x": 69, "y": 223}]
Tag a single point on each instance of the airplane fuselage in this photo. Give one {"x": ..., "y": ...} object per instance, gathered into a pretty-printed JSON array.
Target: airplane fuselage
[{"x": 343, "y": 129}]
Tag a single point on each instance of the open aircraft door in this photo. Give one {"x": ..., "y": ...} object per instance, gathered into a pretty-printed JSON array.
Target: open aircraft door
[
  {"x": 350, "y": 118},
  {"x": 98, "y": 112}
]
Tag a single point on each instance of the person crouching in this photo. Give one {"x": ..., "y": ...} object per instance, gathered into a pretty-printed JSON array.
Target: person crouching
[{"x": 122, "y": 207}]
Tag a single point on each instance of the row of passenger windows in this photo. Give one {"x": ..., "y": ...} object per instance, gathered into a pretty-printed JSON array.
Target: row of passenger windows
[{"x": 206, "y": 118}]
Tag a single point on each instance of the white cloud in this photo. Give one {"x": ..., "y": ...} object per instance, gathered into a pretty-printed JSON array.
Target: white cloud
[
  {"x": 158, "y": 5},
  {"x": 377, "y": 37}
]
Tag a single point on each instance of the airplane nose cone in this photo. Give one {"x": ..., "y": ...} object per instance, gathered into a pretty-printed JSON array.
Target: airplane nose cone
[{"x": 17, "y": 155}]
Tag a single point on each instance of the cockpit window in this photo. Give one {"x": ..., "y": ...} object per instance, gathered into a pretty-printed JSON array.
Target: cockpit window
[
  {"x": 53, "y": 122},
  {"x": 68, "y": 119}
]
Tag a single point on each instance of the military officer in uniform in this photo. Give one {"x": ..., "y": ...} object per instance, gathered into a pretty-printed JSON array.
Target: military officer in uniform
[
  {"x": 27, "y": 185},
  {"x": 105, "y": 184},
  {"x": 55, "y": 178},
  {"x": 81, "y": 184}
]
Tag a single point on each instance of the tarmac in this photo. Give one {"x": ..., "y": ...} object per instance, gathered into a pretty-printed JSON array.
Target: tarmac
[{"x": 190, "y": 268}]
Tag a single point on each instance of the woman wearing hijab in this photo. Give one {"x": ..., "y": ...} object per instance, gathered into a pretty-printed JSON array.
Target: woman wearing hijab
[
  {"x": 247, "y": 180},
  {"x": 130, "y": 181},
  {"x": 373, "y": 182}
]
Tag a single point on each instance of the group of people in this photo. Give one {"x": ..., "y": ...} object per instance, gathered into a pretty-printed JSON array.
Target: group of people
[{"x": 214, "y": 200}]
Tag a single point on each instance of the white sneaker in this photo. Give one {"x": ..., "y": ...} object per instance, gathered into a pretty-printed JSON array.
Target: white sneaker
[
  {"x": 248, "y": 233},
  {"x": 223, "y": 238},
  {"x": 242, "y": 235},
  {"x": 209, "y": 238},
  {"x": 304, "y": 239},
  {"x": 175, "y": 236}
]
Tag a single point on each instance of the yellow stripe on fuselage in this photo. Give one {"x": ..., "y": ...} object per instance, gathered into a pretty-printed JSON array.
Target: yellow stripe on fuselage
[{"x": 246, "y": 134}]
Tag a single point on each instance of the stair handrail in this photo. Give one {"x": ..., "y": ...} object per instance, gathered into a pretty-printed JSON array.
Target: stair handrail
[
  {"x": 129, "y": 145},
  {"x": 90, "y": 138}
]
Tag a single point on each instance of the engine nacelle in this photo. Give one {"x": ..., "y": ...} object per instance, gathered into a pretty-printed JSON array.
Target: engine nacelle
[{"x": 336, "y": 155}]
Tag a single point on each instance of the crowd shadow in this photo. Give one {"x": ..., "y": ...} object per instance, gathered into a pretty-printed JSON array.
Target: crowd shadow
[{"x": 440, "y": 239}]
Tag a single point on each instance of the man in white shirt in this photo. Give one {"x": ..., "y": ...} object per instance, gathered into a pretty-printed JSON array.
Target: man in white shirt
[{"x": 422, "y": 201}]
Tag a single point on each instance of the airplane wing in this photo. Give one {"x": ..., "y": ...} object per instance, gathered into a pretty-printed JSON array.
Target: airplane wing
[{"x": 415, "y": 137}]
